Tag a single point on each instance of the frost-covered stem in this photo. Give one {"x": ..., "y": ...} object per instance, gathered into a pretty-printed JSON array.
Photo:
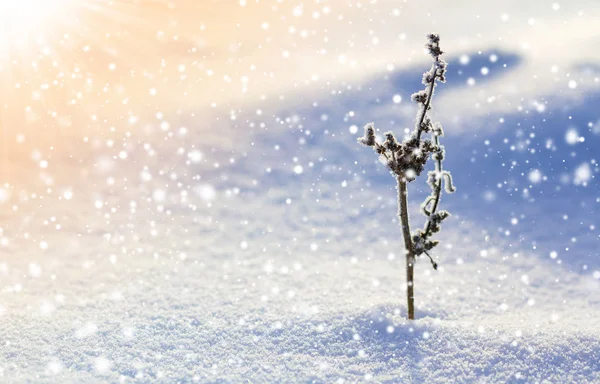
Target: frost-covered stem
[
  {"x": 431, "y": 259},
  {"x": 408, "y": 245},
  {"x": 378, "y": 146},
  {"x": 428, "y": 101},
  {"x": 407, "y": 159},
  {"x": 438, "y": 188}
]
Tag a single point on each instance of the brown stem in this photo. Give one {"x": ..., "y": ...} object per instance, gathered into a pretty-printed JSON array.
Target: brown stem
[
  {"x": 438, "y": 189},
  {"x": 410, "y": 255},
  {"x": 429, "y": 97}
]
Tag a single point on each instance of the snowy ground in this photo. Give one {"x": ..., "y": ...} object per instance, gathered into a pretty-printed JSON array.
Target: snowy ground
[
  {"x": 259, "y": 243},
  {"x": 239, "y": 274},
  {"x": 279, "y": 311}
]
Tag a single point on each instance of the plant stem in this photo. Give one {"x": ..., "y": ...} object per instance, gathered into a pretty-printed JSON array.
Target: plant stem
[
  {"x": 433, "y": 70},
  {"x": 408, "y": 245},
  {"x": 437, "y": 191}
]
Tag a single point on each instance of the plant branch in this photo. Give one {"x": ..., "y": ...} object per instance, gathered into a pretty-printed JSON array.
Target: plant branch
[
  {"x": 433, "y": 72},
  {"x": 433, "y": 263},
  {"x": 408, "y": 245},
  {"x": 406, "y": 160},
  {"x": 437, "y": 193}
]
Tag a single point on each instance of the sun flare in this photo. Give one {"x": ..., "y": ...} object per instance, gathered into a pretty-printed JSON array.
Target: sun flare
[
  {"x": 62, "y": 62},
  {"x": 24, "y": 17}
]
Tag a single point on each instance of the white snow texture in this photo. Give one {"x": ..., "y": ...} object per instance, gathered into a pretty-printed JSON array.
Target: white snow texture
[{"x": 165, "y": 238}]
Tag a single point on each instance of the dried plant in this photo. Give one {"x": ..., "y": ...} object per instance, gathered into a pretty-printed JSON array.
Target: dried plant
[{"x": 407, "y": 160}]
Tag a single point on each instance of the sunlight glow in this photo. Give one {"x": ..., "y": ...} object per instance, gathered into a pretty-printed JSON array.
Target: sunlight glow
[{"x": 22, "y": 17}]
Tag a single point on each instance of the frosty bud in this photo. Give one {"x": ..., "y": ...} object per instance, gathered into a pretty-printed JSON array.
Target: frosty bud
[
  {"x": 436, "y": 219},
  {"x": 390, "y": 142},
  {"x": 440, "y": 216},
  {"x": 433, "y": 45},
  {"x": 426, "y": 124},
  {"x": 433, "y": 38},
  {"x": 368, "y": 139},
  {"x": 441, "y": 67},
  {"x": 421, "y": 244},
  {"x": 419, "y": 97},
  {"x": 438, "y": 130},
  {"x": 427, "y": 78}
]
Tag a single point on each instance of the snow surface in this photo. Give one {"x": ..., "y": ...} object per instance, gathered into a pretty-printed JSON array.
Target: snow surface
[
  {"x": 273, "y": 276},
  {"x": 279, "y": 311},
  {"x": 260, "y": 243}
]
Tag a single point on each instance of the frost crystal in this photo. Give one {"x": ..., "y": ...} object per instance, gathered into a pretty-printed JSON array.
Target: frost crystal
[{"x": 368, "y": 139}]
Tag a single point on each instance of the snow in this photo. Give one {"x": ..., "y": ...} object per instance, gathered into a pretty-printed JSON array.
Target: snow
[
  {"x": 256, "y": 299},
  {"x": 203, "y": 213},
  {"x": 222, "y": 315}
]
